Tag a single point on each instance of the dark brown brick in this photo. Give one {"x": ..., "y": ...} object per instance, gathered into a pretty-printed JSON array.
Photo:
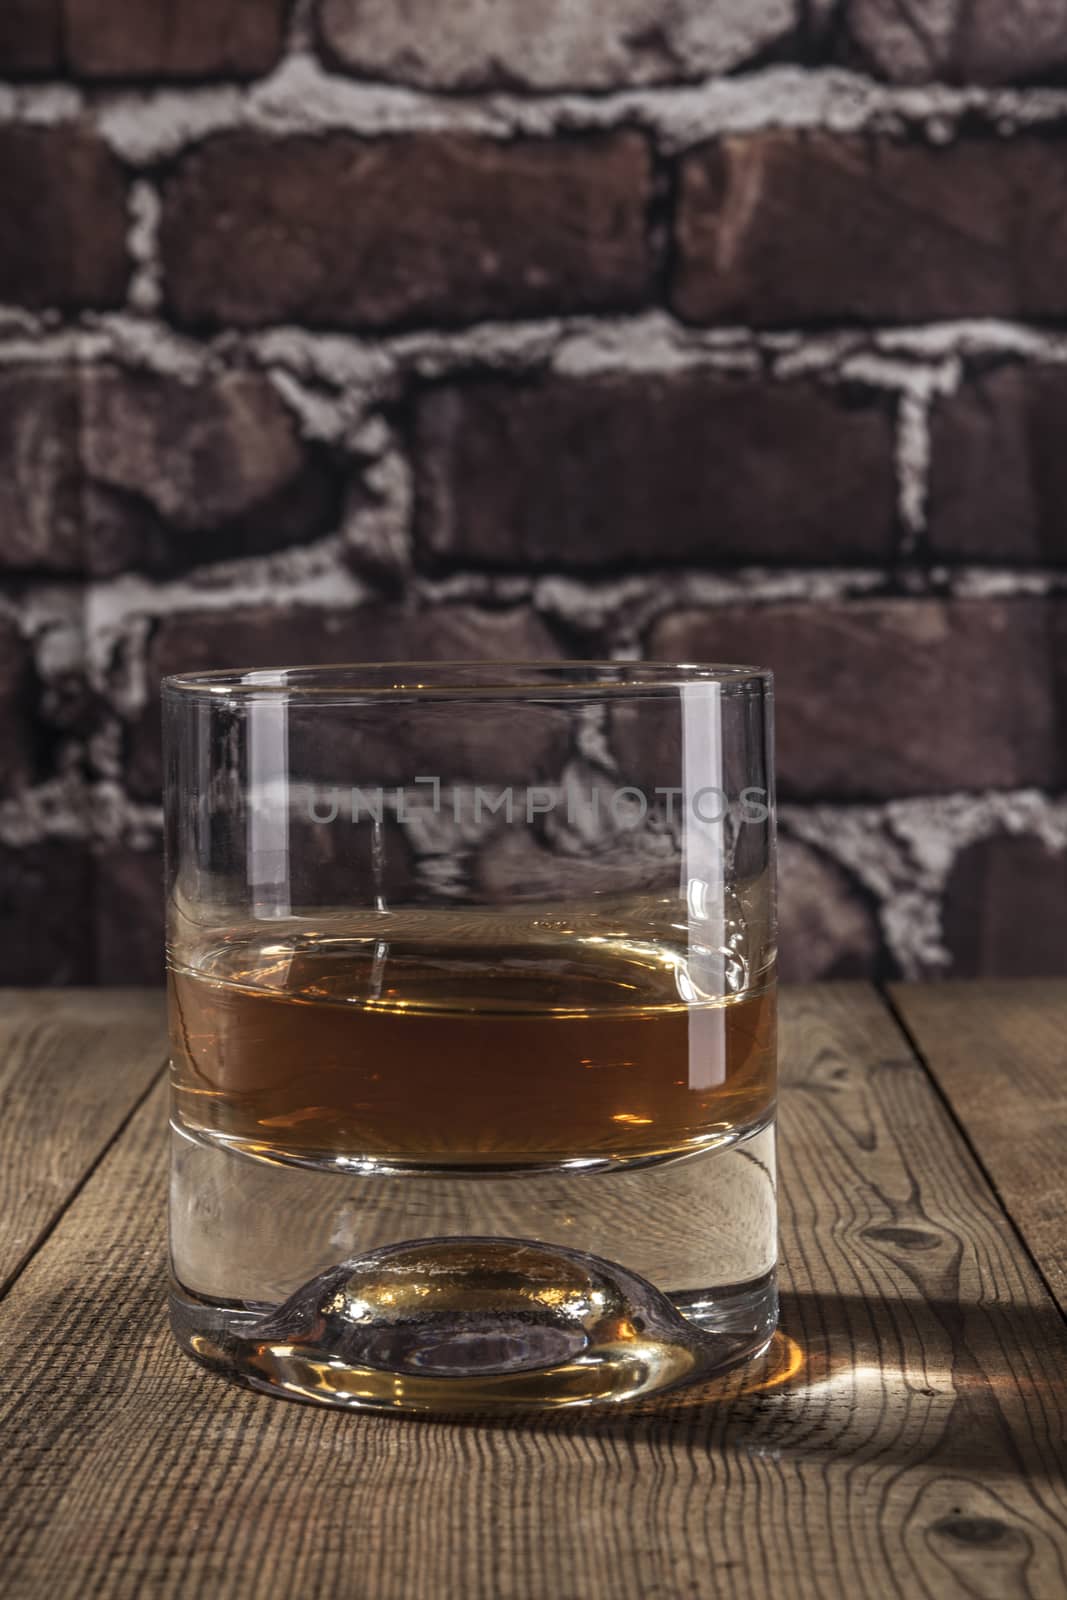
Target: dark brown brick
[
  {"x": 651, "y": 746},
  {"x": 782, "y": 228},
  {"x": 31, "y": 37},
  {"x": 263, "y": 637},
  {"x": 998, "y": 479},
  {"x": 63, "y": 220},
  {"x": 514, "y": 864},
  {"x": 18, "y": 693},
  {"x": 173, "y": 38},
  {"x": 113, "y": 471},
  {"x": 128, "y": 916},
  {"x": 350, "y": 232},
  {"x": 960, "y": 41},
  {"x": 646, "y": 470},
  {"x": 141, "y": 38},
  {"x": 305, "y": 635},
  {"x": 1005, "y": 910},
  {"x": 179, "y": 473},
  {"x": 560, "y": 45},
  {"x": 878, "y": 699},
  {"x": 348, "y": 863},
  {"x": 826, "y": 929},
  {"x": 39, "y": 479},
  {"x": 254, "y": 637},
  {"x": 46, "y": 914}
]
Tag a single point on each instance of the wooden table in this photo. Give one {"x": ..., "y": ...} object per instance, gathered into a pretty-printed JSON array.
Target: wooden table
[{"x": 904, "y": 1436}]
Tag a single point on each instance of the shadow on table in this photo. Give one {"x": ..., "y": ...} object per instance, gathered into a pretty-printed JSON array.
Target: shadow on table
[{"x": 979, "y": 1388}]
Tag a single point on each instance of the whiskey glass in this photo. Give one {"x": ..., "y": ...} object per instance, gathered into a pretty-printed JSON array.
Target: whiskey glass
[{"x": 471, "y": 977}]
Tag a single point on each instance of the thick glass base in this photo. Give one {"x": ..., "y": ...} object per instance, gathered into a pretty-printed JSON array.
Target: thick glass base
[
  {"x": 536, "y": 1313},
  {"x": 508, "y": 1325}
]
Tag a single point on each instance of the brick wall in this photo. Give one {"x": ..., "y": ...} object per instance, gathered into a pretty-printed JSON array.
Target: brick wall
[{"x": 723, "y": 329}]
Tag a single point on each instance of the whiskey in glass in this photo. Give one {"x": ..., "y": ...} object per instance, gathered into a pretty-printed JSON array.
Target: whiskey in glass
[{"x": 472, "y": 1010}]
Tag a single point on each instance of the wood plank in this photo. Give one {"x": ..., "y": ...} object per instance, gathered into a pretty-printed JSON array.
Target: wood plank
[
  {"x": 904, "y": 1437},
  {"x": 998, "y": 1050},
  {"x": 73, "y": 1064}
]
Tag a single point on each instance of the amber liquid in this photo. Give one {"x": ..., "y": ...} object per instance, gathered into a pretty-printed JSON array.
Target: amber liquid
[{"x": 320, "y": 1048}]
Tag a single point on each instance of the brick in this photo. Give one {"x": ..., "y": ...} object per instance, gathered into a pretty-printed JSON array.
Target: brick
[
  {"x": 39, "y": 477},
  {"x": 349, "y": 232},
  {"x": 345, "y": 863},
  {"x": 128, "y": 917},
  {"x": 111, "y": 471},
  {"x": 31, "y": 37},
  {"x": 141, "y": 38},
  {"x": 651, "y": 748},
  {"x": 960, "y": 41},
  {"x": 45, "y": 915},
  {"x": 514, "y": 865},
  {"x": 1005, "y": 910},
  {"x": 18, "y": 694},
  {"x": 173, "y": 38},
  {"x": 782, "y": 228},
  {"x": 884, "y": 698},
  {"x": 486, "y": 44},
  {"x": 998, "y": 477},
  {"x": 651, "y": 470},
  {"x": 63, "y": 221},
  {"x": 306, "y": 635},
  {"x": 260, "y": 637},
  {"x": 179, "y": 473},
  {"x": 826, "y": 930}
]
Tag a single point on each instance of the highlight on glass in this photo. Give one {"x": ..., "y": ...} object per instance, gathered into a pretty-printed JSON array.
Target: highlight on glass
[{"x": 472, "y": 1011}]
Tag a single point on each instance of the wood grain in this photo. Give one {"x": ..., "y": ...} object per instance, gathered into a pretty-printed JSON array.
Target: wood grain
[
  {"x": 73, "y": 1064},
  {"x": 903, "y": 1438},
  {"x": 998, "y": 1050}
]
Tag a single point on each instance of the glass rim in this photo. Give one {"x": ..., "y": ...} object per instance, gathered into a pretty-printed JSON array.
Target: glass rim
[{"x": 401, "y": 680}]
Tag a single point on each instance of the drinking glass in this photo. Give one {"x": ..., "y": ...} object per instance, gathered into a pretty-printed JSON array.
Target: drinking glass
[{"x": 472, "y": 1011}]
